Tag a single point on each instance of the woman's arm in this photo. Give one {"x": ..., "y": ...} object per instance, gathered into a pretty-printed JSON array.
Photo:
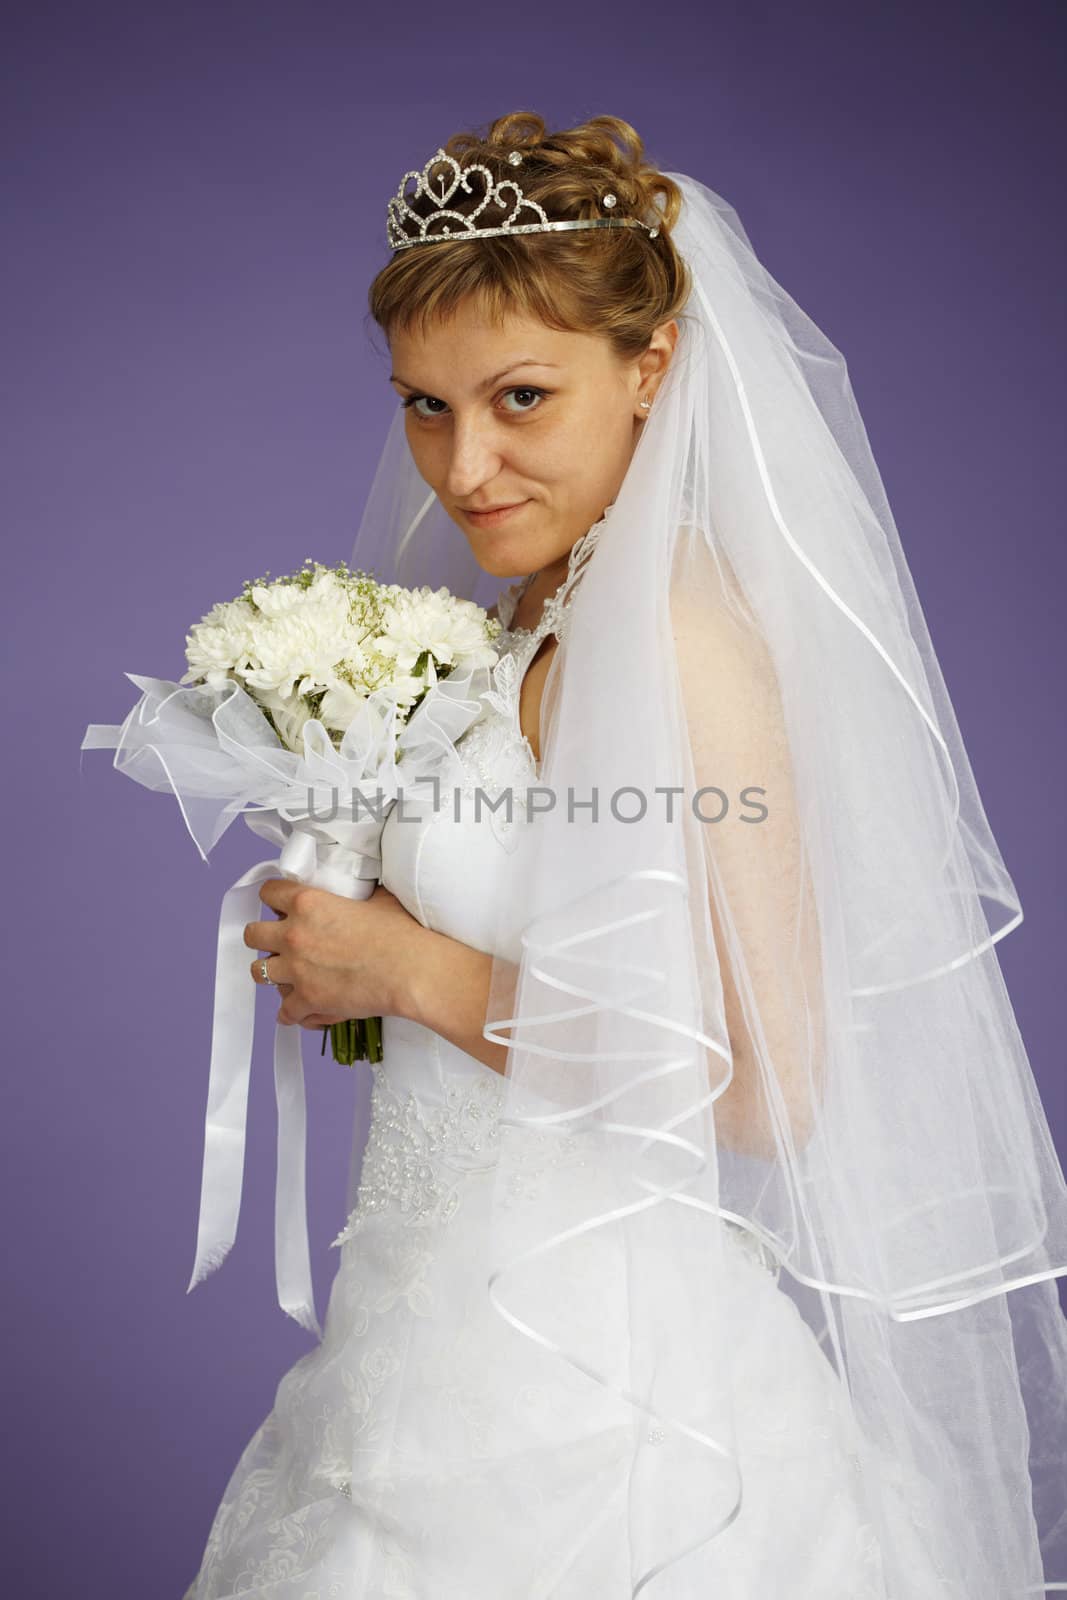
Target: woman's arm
[
  {"x": 335, "y": 958},
  {"x": 448, "y": 990},
  {"x": 761, "y": 906}
]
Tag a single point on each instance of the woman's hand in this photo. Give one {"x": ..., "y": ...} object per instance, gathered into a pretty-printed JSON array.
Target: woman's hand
[{"x": 333, "y": 958}]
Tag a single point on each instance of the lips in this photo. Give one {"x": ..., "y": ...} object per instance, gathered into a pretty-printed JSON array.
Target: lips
[{"x": 491, "y": 516}]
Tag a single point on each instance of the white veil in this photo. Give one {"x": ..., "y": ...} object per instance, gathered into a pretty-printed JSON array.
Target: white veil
[{"x": 747, "y": 622}]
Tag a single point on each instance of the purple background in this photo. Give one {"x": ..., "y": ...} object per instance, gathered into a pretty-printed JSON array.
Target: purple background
[{"x": 195, "y": 204}]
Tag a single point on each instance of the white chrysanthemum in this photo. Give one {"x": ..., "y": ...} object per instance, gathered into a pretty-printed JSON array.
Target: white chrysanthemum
[
  {"x": 339, "y": 706},
  {"x": 418, "y": 620},
  {"x": 221, "y": 644},
  {"x": 289, "y": 715},
  {"x": 280, "y": 598},
  {"x": 276, "y": 599},
  {"x": 298, "y": 645},
  {"x": 334, "y": 639},
  {"x": 405, "y": 688}
]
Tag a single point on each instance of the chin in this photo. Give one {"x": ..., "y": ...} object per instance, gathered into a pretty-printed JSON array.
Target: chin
[
  {"x": 496, "y": 568},
  {"x": 502, "y": 558}
]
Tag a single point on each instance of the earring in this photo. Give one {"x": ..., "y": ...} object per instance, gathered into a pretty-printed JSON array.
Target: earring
[{"x": 646, "y": 404}]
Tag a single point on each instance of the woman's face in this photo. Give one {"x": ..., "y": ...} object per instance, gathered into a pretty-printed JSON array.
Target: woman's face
[{"x": 522, "y": 415}]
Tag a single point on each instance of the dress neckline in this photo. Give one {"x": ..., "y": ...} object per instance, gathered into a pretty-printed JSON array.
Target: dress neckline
[{"x": 554, "y": 611}]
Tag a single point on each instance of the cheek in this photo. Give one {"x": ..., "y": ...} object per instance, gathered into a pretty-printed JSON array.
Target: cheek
[
  {"x": 425, "y": 451},
  {"x": 557, "y": 449}
]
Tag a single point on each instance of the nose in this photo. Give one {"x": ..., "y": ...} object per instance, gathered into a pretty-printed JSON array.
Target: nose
[{"x": 474, "y": 458}]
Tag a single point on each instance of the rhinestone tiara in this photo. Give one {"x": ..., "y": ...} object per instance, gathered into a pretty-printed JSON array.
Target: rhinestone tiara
[{"x": 401, "y": 218}]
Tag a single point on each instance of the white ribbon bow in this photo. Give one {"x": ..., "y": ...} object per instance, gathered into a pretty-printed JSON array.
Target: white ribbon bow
[{"x": 326, "y": 865}]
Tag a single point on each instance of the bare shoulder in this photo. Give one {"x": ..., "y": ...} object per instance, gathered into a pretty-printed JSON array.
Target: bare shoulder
[{"x": 717, "y": 639}]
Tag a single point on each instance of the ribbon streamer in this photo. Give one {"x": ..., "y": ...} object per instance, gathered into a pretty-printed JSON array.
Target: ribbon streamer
[{"x": 304, "y": 860}]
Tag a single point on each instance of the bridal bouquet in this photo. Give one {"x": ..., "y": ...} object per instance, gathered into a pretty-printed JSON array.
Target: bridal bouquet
[
  {"x": 306, "y": 700},
  {"x": 329, "y": 665},
  {"x": 314, "y": 647}
]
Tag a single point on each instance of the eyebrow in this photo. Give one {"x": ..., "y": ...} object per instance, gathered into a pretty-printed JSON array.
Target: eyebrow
[{"x": 513, "y": 366}]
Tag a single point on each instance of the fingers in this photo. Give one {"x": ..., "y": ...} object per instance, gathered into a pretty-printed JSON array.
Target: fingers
[
  {"x": 279, "y": 893},
  {"x": 263, "y": 935},
  {"x": 271, "y": 969},
  {"x": 290, "y": 1012}
]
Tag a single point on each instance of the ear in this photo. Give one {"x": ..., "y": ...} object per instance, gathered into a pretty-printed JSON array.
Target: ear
[{"x": 655, "y": 360}]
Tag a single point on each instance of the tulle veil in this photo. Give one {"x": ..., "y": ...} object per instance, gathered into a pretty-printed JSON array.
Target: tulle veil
[{"x": 747, "y": 639}]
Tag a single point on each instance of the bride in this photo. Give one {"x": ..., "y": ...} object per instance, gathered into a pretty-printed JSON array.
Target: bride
[{"x": 707, "y": 1231}]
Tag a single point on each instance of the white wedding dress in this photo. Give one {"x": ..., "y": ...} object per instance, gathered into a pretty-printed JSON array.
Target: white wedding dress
[{"x": 427, "y": 1450}]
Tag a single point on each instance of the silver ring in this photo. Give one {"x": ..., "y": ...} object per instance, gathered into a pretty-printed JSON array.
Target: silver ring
[{"x": 266, "y": 975}]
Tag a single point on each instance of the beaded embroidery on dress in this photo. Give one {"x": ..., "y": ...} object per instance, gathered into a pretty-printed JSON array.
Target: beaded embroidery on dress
[{"x": 427, "y": 1450}]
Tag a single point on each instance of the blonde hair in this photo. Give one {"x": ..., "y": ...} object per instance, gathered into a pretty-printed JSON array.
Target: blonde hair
[{"x": 619, "y": 283}]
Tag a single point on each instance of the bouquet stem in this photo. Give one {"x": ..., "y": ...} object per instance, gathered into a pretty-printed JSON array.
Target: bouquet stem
[{"x": 359, "y": 1039}]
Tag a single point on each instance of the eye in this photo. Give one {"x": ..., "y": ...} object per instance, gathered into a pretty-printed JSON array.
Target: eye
[
  {"x": 412, "y": 401},
  {"x": 539, "y": 393}
]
